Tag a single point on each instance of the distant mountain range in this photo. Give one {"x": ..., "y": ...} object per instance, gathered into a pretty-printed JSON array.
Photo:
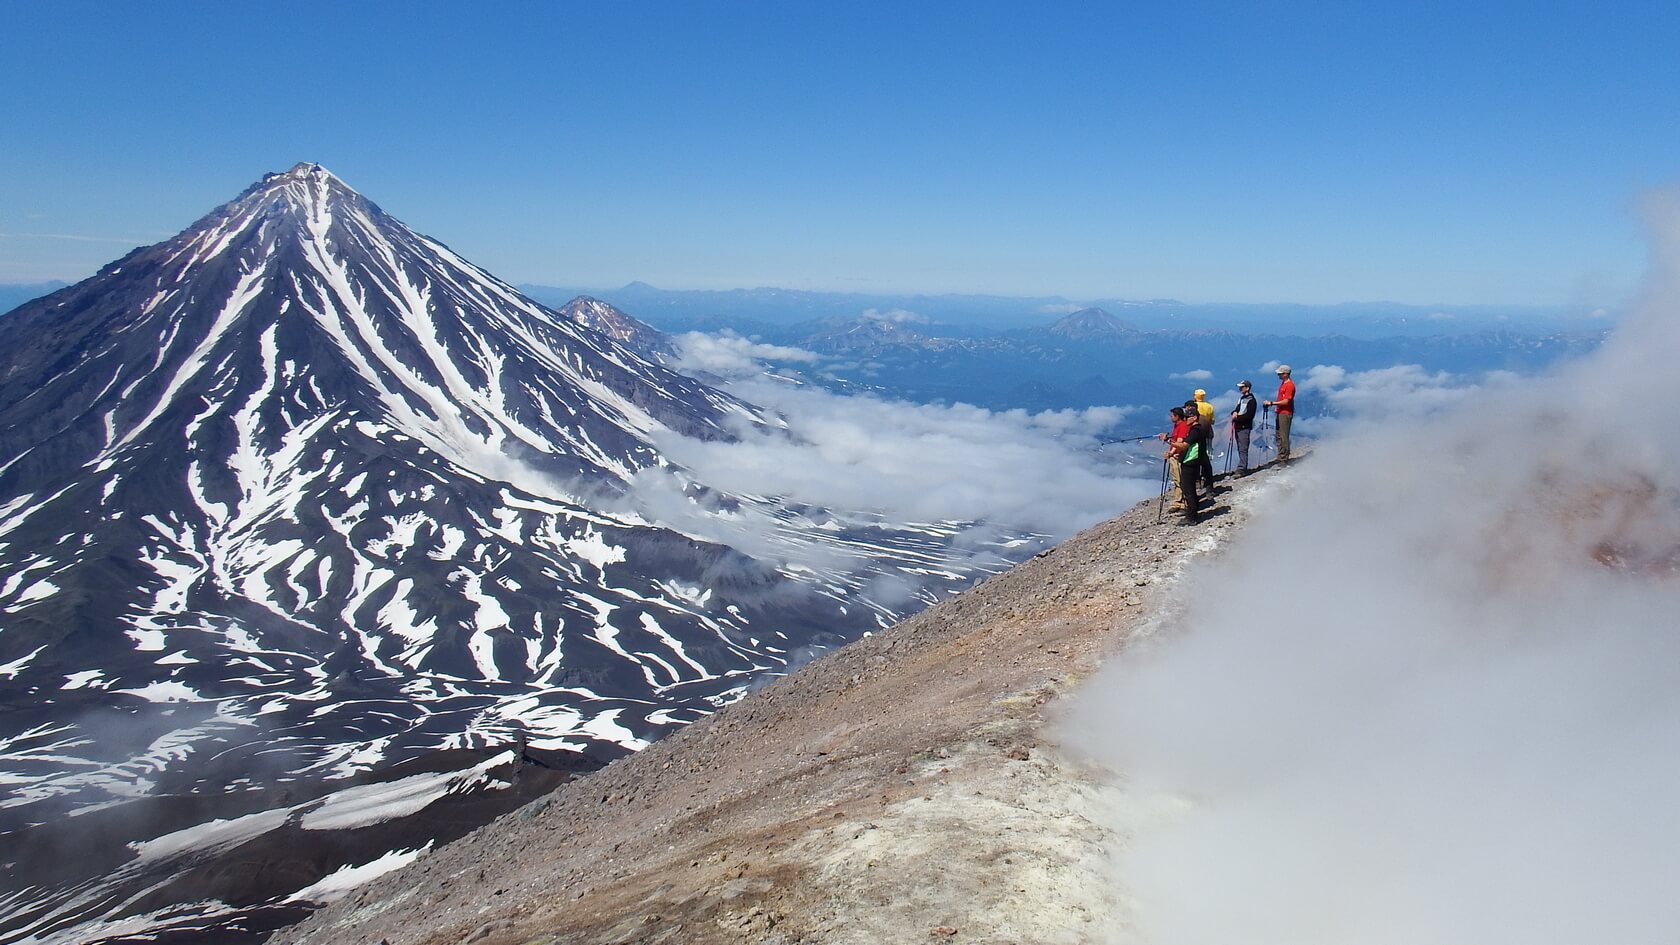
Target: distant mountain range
[
  {"x": 1093, "y": 358},
  {"x": 1046, "y": 354},
  {"x": 751, "y": 311}
]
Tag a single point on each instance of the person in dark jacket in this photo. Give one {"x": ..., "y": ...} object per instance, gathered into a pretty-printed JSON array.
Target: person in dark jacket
[
  {"x": 1242, "y": 423},
  {"x": 1203, "y": 412},
  {"x": 1193, "y": 463}
]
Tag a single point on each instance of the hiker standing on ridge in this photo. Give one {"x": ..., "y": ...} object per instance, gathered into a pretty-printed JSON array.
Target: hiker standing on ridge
[
  {"x": 1285, "y": 404},
  {"x": 1186, "y": 433},
  {"x": 1205, "y": 416},
  {"x": 1175, "y": 441},
  {"x": 1194, "y": 462},
  {"x": 1242, "y": 424}
]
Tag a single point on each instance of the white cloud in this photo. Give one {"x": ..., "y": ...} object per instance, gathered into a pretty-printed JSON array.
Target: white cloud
[
  {"x": 729, "y": 355},
  {"x": 1066, "y": 308},
  {"x": 911, "y": 462},
  {"x": 1200, "y": 374},
  {"x": 1432, "y": 693},
  {"x": 897, "y": 316},
  {"x": 908, "y": 462},
  {"x": 993, "y": 475}
]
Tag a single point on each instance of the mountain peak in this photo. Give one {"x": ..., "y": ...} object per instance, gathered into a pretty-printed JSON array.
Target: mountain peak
[
  {"x": 1090, "y": 323},
  {"x": 313, "y": 178},
  {"x": 305, "y": 170},
  {"x": 603, "y": 317},
  {"x": 304, "y": 173},
  {"x": 305, "y": 197}
]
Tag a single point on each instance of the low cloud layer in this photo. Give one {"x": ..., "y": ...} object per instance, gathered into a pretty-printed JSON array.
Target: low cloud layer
[
  {"x": 1432, "y": 693},
  {"x": 730, "y": 355},
  {"x": 911, "y": 462},
  {"x": 986, "y": 480}
]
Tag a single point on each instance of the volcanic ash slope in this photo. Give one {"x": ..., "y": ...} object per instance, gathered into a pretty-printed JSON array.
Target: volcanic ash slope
[{"x": 899, "y": 789}]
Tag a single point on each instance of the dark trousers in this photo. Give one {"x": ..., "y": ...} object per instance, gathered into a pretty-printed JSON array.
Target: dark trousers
[
  {"x": 1242, "y": 449},
  {"x": 1283, "y": 422},
  {"x": 1189, "y": 476}
]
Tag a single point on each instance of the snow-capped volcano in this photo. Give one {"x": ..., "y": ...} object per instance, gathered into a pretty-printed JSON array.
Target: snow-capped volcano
[
  {"x": 303, "y": 438},
  {"x": 300, "y": 494}
]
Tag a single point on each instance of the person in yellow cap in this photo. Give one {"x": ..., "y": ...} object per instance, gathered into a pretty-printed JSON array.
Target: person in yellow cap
[{"x": 1204, "y": 416}]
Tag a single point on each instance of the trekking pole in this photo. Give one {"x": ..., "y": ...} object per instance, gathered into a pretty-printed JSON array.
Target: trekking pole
[
  {"x": 1160, "y": 504},
  {"x": 1230, "y": 447}
]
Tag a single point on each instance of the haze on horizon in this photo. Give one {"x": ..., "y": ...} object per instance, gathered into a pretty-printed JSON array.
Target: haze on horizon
[{"x": 1435, "y": 154}]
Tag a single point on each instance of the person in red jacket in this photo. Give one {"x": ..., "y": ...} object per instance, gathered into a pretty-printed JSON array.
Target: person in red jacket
[
  {"x": 1175, "y": 441},
  {"x": 1285, "y": 404}
]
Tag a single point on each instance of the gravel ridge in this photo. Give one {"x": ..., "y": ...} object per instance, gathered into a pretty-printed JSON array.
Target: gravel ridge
[{"x": 899, "y": 789}]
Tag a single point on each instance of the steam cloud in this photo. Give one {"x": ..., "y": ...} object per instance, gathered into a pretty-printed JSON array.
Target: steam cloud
[
  {"x": 1432, "y": 694},
  {"x": 1404, "y": 390}
]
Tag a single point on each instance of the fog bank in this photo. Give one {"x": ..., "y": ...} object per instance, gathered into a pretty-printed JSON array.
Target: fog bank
[{"x": 1432, "y": 693}]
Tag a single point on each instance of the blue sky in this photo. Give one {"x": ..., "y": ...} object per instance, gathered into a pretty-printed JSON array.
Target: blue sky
[{"x": 1454, "y": 153}]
